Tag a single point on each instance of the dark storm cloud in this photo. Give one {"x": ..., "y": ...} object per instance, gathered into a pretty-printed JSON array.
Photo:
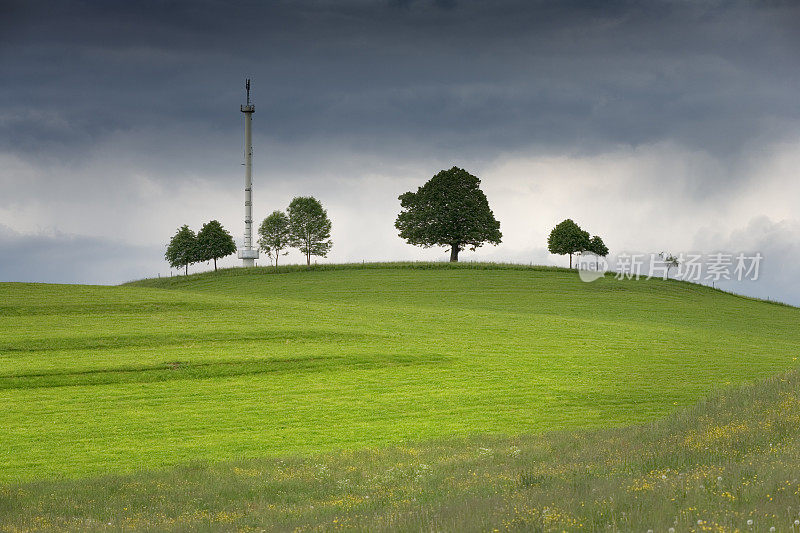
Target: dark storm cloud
[
  {"x": 406, "y": 4},
  {"x": 416, "y": 76}
]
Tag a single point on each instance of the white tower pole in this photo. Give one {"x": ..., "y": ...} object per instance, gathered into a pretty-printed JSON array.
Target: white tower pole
[{"x": 248, "y": 254}]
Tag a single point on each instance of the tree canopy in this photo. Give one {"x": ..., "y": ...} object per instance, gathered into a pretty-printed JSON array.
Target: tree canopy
[
  {"x": 309, "y": 227},
  {"x": 567, "y": 238},
  {"x": 597, "y": 246},
  {"x": 214, "y": 242},
  {"x": 274, "y": 235},
  {"x": 449, "y": 210},
  {"x": 182, "y": 249}
]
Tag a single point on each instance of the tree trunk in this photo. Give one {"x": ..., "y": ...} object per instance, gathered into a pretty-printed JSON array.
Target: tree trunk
[
  {"x": 186, "y": 272},
  {"x": 308, "y": 259},
  {"x": 215, "y": 264},
  {"x": 570, "y": 260},
  {"x": 454, "y": 253},
  {"x": 277, "y": 255}
]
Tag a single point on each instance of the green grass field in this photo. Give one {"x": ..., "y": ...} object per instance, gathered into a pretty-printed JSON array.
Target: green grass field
[
  {"x": 252, "y": 363},
  {"x": 210, "y": 367},
  {"x": 727, "y": 460}
]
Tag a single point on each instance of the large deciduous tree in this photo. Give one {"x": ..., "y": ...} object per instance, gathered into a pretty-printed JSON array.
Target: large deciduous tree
[
  {"x": 449, "y": 210},
  {"x": 182, "y": 249},
  {"x": 567, "y": 238},
  {"x": 274, "y": 235},
  {"x": 214, "y": 242},
  {"x": 309, "y": 227}
]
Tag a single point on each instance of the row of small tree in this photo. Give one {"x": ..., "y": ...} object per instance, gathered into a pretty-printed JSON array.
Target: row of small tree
[
  {"x": 304, "y": 225},
  {"x": 212, "y": 242}
]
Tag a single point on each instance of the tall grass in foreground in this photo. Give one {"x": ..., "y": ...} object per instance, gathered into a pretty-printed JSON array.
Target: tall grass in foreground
[{"x": 730, "y": 463}]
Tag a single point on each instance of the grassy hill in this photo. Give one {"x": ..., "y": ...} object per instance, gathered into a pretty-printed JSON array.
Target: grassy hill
[{"x": 250, "y": 363}]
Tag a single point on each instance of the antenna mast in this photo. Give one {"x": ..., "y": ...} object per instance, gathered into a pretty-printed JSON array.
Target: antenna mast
[{"x": 247, "y": 253}]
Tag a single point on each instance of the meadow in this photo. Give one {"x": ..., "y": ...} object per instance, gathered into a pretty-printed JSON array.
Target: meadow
[
  {"x": 728, "y": 463},
  {"x": 252, "y": 369}
]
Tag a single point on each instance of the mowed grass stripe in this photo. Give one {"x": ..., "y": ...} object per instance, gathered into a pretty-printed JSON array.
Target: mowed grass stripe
[{"x": 247, "y": 363}]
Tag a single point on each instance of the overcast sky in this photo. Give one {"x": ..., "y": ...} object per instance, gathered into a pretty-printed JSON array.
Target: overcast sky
[{"x": 661, "y": 126}]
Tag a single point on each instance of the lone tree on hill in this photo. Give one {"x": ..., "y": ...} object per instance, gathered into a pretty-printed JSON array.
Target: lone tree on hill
[
  {"x": 567, "y": 238},
  {"x": 597, "y": 247},
  {"x": 182, "y": 249},
  {"x": 670, "y": 261},
  {"x": 274, "y": 232},
  {"x": 214, "y": 242},
  {"x": 449, "y": 210},
  {"x": 309, "y": 227}
]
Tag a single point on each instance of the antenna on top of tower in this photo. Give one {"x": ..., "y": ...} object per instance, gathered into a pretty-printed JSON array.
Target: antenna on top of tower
[{"x": 247, "y": 86}]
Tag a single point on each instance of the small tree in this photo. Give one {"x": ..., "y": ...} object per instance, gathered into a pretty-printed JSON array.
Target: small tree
[
  {"x": 670, "y": 261},
  {"x": 449, "y": 210},
  {"x": 182, "y": 249},
  {"x": 214, "y": 242},
  {"x": 597, "y": 247},
  {"x": 275, "y": 237},
  {"x": 567, "y": 238},
  {"x": 309, "y": 227}
]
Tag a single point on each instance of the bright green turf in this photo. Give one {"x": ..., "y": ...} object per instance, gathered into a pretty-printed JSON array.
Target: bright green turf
[
  {"x": 730, "y": 458},
  {"x": 252, "y": 363}
]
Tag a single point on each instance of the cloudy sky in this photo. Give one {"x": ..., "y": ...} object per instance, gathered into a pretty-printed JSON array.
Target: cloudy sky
[{"x": 661, "y": 126}]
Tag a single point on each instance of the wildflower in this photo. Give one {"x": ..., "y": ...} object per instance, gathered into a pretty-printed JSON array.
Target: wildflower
[
  {"x": 750, "y": 522},
  {"x": 671, "y": 530},
  {"x": 772, "y": 529}
]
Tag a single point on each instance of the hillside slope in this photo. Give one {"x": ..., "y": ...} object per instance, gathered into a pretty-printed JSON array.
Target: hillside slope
[{"x": 251, "y": 363}]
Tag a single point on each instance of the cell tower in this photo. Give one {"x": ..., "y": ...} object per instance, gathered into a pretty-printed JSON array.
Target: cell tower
[{"x": 247, "y": 253}]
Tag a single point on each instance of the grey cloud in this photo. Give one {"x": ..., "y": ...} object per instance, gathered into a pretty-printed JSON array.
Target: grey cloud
[
  {"x": 478, "y": 76},
  {"x": 58, "y": 258},
  {"x": 408, "y": 4},
  {"x": 779, "y": 244}
]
